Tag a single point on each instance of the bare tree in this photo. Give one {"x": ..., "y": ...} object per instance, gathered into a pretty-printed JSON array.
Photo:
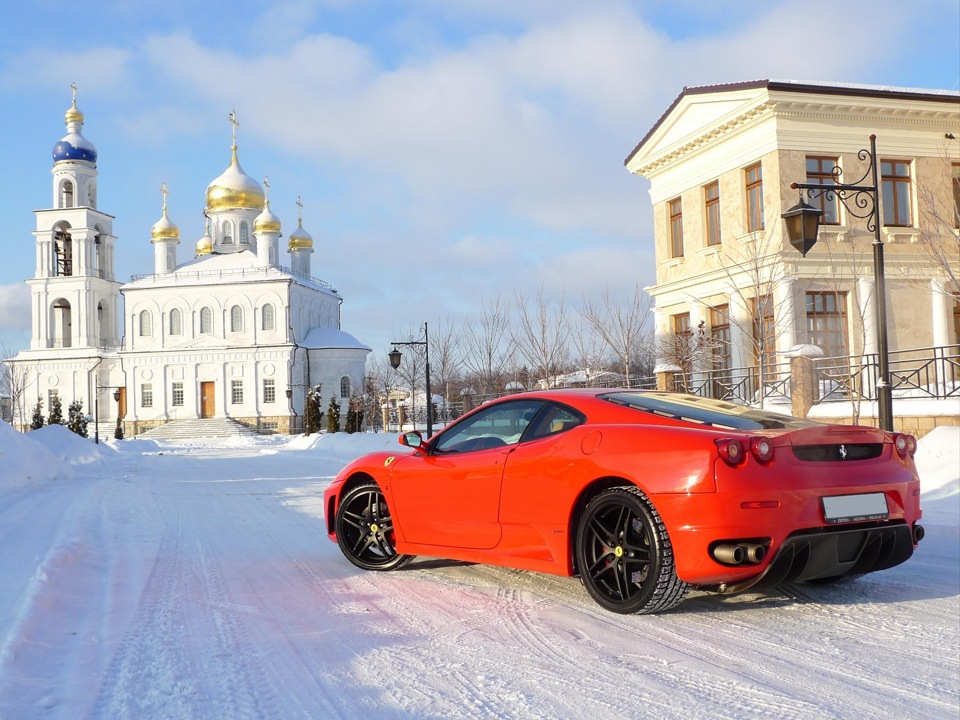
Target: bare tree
[
  {"x": 690, "y": 351},
  {"x": 622, "y": 327},
  {"x": 588, "y": 346},
  {"x": 486, "y": 355},
  {"x": 939, "y": 240},
  {"x": 13, "y": 383},
  {"x": 446, "y": 360},
  {"x": 752, "y": 271},
  {"x": 541, "y": 334}
]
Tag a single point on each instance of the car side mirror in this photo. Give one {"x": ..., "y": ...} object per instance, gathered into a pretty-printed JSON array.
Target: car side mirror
[{"x": 413, "y": 440}]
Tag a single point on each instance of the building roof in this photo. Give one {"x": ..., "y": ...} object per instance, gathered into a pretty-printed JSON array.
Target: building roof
[{"x": 798, "y": 86}]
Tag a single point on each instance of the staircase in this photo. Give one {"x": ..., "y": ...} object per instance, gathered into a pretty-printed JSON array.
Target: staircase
[{"x": 198, "y": 427}]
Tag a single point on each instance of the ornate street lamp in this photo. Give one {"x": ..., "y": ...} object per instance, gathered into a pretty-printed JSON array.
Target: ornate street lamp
[
  {"x": 861, "y": 201},
  {"x": 395, "y": 356}
]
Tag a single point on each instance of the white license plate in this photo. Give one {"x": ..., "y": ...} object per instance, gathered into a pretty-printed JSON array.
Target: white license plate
[{"x": 855, "y": 508}]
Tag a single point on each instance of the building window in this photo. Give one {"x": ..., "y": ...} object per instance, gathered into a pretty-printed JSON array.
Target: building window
[
  {"x": 956, "y": 317},
  {"x": 711, "y": 201},
  {"x": 244, "y": 234},
  {"x": 827, "y": 322},
  {"x": 764, "y": 332},
  {"x": 345, "y": 386},
  {"x": 681, "y": 335},
  {"x": 236, "y": 319},
  {"x": 269, "y": 390},
  {"x": 53, "y": 396},
  {"x": 146, "y": 324},
  {"x": 176, "y": 322},
  {"x": 720, "y": 334},
  {"x": 236, "y": 392},
  {"x": 206, "y": 320},
  {"x": 676, "y": 228},
  {"x": 177, "y": 394},
  {"x": 66, "y": 198},
  {"x": 895, "y": 178},
  {"x": 753, "y": 176},
  {"x": 146, "y": 395},
  {"x": 820, "y": 172},
  {"x": 92, "y": 195},
  {"x": 226, "y": 236},
  {"x": 956, "y": 194},
  {"x": 268, "y": 319}
]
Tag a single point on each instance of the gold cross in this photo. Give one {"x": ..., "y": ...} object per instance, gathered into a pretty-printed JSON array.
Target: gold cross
[
  {"x": 235, "y": 123},
  {"x": 163, "y": 189}
]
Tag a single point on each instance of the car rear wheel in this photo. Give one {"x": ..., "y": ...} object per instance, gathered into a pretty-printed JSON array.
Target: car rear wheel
[
  {"x": 624, "y": 554},
  {"x": 365, "y": 531}
]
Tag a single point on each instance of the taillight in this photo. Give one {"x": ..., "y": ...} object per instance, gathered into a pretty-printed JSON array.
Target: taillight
[
  {"x": 905, "y": 444},
  {"x": 731, "y": 450},
  {"x": 762, "y": 449}
]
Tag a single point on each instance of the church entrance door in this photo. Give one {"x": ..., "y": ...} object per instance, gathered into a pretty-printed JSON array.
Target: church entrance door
[{"x": 207, "y": 400}]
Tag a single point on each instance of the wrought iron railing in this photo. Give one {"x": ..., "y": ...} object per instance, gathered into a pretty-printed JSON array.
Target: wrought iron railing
[{"x": 930, "y": 372}]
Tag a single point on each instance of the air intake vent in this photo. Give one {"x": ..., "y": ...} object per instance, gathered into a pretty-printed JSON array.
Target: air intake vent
[{"x": 838, "y": 453}]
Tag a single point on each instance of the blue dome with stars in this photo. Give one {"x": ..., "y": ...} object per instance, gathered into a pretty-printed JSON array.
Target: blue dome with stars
[{"x": 74, "y": 146}]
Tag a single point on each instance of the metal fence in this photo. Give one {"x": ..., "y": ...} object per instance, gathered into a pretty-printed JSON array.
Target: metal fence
[{"x": 930, "y": 373}]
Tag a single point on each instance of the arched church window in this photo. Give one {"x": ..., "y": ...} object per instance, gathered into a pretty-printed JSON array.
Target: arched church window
[
  {"x": 244, "y": 234},
  {"x": 66, "y": 194},
  {"x": 146, "y": 323},
  {"x": 206, "y": 320},
  {"x": 345, "y": 385},
  {"x": 236, "y": 319},
  {"x": 227, "y": 234},
  {"x": 176, "y": 322},
  {"x": 268, "y": 318},
  {"x": 92, "y": 195}
]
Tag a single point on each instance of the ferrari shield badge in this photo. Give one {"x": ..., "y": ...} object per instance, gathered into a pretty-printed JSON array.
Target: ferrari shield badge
[{"x": 386, "y": 463}]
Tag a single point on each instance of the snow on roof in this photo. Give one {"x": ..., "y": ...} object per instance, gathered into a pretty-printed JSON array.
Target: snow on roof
[
  {"x": 223, "y": 269},
  {"x": 331, "y": 338}
]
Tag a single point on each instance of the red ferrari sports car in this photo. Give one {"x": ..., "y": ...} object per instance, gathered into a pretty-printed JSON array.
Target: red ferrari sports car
[{"x": 643, "y": 495}]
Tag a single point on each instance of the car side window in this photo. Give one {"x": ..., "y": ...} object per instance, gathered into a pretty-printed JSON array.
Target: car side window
[
  {"x": 498, "y": 426},
  {"x": 554, "y": 419}
]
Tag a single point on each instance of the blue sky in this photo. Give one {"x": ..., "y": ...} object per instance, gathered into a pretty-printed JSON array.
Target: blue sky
[{"x": 447, "y": 152}]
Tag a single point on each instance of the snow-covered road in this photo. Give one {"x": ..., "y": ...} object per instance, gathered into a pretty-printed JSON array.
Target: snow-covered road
[{"x": 196, "y": 582}]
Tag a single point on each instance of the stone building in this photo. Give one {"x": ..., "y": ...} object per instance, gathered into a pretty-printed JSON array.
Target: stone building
[{"x": 721, "y": 161}]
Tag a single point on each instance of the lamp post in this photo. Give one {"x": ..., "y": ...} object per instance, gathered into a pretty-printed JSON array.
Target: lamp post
[
  {"x": 395, "y": 356},
  {"x": 96, "y": 408},
  {"x": 861, "y": 201}
]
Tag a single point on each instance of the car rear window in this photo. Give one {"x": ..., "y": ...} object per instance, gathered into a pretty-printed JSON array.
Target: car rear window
[{"x": 705, "y": 411}]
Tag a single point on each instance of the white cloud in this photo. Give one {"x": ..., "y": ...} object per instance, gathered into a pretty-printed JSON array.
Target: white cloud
[{"x": 14, "y": 307}]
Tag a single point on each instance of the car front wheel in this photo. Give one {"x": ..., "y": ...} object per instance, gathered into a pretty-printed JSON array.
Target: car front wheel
[
  {"x": 624, "y": 554},
  {"x": 365, "y": 531}
]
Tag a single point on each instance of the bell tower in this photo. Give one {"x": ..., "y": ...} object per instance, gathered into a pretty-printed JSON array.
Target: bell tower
[{"x": 74, "y": 295}]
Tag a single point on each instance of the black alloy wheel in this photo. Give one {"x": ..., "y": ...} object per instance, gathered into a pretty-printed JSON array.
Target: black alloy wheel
[
  {"x": 624, "y": 554},
  {"x": 365, "y": 530}
]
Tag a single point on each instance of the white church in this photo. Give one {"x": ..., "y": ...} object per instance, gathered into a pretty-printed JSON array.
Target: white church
[{"x": 227, "y": 333}]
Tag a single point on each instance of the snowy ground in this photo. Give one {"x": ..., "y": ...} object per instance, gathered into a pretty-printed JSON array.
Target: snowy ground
[{"x": 151, "y": 580}]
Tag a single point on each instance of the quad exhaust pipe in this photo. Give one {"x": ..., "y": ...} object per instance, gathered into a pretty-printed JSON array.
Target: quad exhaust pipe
[{"x": 740, "y": 553}]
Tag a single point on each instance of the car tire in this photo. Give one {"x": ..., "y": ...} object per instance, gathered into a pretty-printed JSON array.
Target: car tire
[
  {"x": 364, "y": 529},
  {"x": 624, "y": 555}
]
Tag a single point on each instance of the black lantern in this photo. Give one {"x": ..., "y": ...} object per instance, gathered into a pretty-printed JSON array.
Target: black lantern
[
  {"x": 394, "y": 356},
  {"x": 116, "y": 395},
  {"x": 803, "y": 222}
]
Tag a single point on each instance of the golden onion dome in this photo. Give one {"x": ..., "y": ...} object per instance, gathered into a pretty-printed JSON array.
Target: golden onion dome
[
  {"x": 300, "y": 239},
  {"x": 165, "y": 229},
  {"x": 266, "y": 221},
  {"x": 234, "y": 189},
  {"x": 73, "y": 114},
  {"x": 205, "y": 244}
]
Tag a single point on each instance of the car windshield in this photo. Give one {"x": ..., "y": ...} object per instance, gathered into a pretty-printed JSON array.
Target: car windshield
[{"x": 706, "y": 411}]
